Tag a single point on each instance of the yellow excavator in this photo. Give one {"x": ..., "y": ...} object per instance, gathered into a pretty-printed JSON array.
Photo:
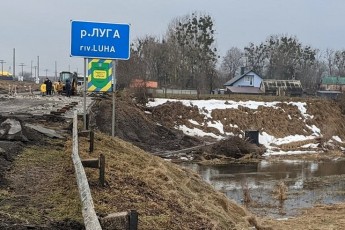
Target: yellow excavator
[{"x": 73, "y": 79}]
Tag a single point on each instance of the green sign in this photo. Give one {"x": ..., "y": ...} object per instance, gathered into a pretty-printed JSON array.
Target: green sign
[{"x": 100, "y": 75}]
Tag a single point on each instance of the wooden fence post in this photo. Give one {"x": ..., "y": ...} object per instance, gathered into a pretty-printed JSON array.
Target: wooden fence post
[
  {"x": 102, "y": 170},
  {"x": 133, "y": 220},
  {"x": 87, "y": 121},
  {"x": 92, "y": 138}
]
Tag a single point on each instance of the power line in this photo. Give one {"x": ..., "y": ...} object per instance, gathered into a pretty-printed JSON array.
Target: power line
[{"x": 22, "y": 65}]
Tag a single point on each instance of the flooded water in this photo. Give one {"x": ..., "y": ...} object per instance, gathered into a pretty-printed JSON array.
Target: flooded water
[{"x": 308, "y": 183}]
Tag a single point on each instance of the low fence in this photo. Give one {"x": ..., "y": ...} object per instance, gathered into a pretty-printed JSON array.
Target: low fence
[
  {"x": 177, "y": 91},
  {"x": 90, "y": 218},
  {"x": 123, "y": 220}
]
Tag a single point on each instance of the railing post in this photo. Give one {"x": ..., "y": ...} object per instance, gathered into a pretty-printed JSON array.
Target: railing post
[
  {"x": 87, "y": 121},
  {"x": 92, "y": 137},
  {"x": 102, "y": 170},
  {"x": 133, "y": 220}
]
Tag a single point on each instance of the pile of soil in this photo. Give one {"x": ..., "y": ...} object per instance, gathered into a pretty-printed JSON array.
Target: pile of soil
[
  {"x": 136, "y": 126},
  {"x": 235, "y": 147}
]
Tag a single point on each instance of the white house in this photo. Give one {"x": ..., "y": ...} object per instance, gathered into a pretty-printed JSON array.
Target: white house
[{"x": 247, "y": 83}]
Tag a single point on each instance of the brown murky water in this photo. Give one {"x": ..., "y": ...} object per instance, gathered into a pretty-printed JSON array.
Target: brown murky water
[{"x": 308, "y": 183}]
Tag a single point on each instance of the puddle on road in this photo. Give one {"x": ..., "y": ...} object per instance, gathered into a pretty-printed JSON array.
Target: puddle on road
[{"x": 309, "y": 183}]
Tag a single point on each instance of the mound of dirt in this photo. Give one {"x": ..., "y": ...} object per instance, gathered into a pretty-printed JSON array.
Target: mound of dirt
[
  {"x": 137, "y": 127},
  {"x": 236, "y": 147}
]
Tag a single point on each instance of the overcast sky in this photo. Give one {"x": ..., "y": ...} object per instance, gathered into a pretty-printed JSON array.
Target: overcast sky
[{"x": 42, "y": 27}]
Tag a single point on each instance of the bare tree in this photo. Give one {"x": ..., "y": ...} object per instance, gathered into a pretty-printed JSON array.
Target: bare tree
[
  {"x": 280, "y": 57},
  {"x": 232, "y": 61},
  {"x": 339, "y": 61},
  {"x": 193, "y": 36},
  {"x": 330, "y": 55}
]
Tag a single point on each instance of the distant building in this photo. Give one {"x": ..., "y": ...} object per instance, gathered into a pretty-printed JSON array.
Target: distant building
[
  {"x": 247, "y": 83},
  {"x": 329, "y": 94},
  {"x": 140, "y": 83},
  {"x": 332, "y": 83}
]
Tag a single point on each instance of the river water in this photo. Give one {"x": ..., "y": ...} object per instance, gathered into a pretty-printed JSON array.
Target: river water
[{"x": 308, "y": 183}]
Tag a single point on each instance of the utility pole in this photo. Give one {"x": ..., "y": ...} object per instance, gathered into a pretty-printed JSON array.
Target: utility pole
[
  {"x": 31, "y": 70},
  {"x": 22, "y": 64},
  {"x": 46, "y": 72},
  {"x": 2, "y": 67},
  {"x": 35, "y": 68},
  {"x": 38, "y": 67},
  {"x": 55, "y": 71},
  {"x": 14, "y": 63}
]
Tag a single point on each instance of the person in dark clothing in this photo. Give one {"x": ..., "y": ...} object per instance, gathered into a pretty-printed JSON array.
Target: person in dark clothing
[
  {"x": 49, "y": 85},
  {"x": 68, "y": 88}
]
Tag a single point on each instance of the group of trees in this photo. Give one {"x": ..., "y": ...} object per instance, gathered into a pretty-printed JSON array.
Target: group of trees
[{"x": 186, "y": 58}]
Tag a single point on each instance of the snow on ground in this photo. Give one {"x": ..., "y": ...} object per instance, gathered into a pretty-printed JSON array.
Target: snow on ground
[{"x": 269, "y": 141}]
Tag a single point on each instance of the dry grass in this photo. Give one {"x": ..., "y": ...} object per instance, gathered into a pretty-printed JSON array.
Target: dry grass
[
  {"x": 247, "y": 199},
  {"x": 165, "y": 195},
  {"x": 280, "y": 191},
  {"x": 321, "y": 217},
  {"x": 42, "y": 182}
]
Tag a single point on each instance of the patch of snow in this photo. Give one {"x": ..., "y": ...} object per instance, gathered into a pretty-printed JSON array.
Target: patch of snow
[
  {"x": 193, "y": 122},
  {"x": 233, "y": 126},
  {"x": 197, "y": 132},
  {"x": 311, "y": 145},
  {"x": 280, "y": 152},
  {"x": 336, "y": 138},
  {"x": 316, "y": 130},
  {"x": 292, "y": 138}
]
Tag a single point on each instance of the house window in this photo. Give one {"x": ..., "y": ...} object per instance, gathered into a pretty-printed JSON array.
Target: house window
[{"x": 249, "y": 78}]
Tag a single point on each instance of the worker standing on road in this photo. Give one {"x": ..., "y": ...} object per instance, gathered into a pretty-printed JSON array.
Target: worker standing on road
[
  {"x": 54, "y": 91},
  {"x": 43, "y": 89},
  {"x": 49, "y": 86},
  {"x": 68, "y": 88},
  {"x": 59, "y": 87}
]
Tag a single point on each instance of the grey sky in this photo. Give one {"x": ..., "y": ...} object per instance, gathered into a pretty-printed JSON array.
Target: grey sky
[{"x": 42, "y": 27}]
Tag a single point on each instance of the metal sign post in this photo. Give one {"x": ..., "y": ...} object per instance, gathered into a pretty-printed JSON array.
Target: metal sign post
[
  {"x": 104, "y": 41},
  {"x": 114, "y": 89},
  {"x": 84, "y": 95}
]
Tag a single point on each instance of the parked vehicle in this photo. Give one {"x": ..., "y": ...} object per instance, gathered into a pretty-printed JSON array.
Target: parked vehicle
[{"x": 73, "y": 79}]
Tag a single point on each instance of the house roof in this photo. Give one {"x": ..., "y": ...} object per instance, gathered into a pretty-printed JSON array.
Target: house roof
[
  {"x": 233, "y": 80},
  {"x": 244, "y": 90},
  {"x": 333, "y": 80}
]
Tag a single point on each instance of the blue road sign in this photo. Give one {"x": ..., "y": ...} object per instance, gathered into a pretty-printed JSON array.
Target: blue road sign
[{"x": 100, "y": 40}]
